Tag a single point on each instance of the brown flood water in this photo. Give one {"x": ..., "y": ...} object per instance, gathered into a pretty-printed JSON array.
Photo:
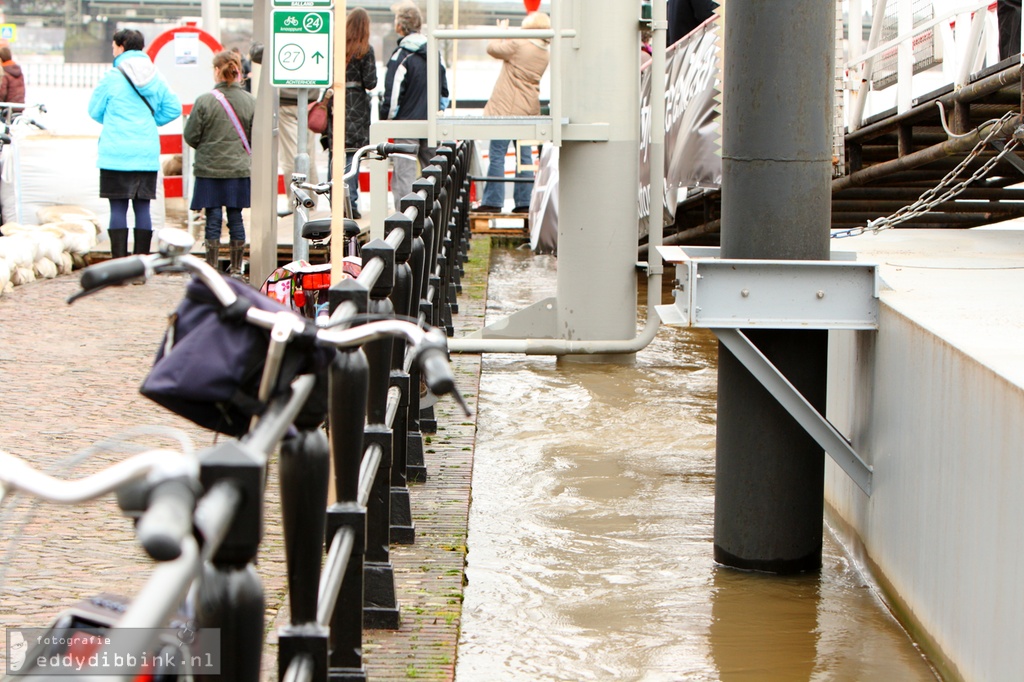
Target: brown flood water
[{"x": 591, "y": 526}]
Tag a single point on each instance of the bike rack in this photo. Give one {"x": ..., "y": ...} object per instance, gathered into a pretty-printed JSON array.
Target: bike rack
[{"x": 376, "y": 435}]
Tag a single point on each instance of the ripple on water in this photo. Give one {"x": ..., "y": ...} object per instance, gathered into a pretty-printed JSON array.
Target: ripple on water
[{"x": 591, "y": 529}]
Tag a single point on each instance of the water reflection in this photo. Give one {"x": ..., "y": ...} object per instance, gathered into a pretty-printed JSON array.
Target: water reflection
[{"x": 590, "y": 539}]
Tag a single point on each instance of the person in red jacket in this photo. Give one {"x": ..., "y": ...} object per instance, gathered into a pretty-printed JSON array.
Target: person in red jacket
[{"x": 12, "y": 86}]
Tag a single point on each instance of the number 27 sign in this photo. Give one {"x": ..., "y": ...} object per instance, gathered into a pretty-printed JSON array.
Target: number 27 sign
[{"x": 302, "y": 48}]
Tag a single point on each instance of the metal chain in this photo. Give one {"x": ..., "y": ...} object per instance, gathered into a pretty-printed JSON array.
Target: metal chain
[{"x": 931, "y": 198}]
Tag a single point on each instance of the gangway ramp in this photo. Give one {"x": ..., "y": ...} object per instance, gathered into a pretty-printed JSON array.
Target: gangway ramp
[{"x": 928, "y": 144}]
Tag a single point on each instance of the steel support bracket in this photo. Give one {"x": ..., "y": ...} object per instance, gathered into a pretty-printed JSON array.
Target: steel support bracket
[
  {"x": 728, "y": 296},
  {"x": 716, "y": 293},
  {"x": 816, "y": 426}
]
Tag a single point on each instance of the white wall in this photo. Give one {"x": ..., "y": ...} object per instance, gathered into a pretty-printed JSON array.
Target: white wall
[{"x": 942, "y": 527}]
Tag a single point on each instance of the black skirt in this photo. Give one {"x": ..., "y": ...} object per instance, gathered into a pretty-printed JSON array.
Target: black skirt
[
  {"x": 139, "y": 185},
  {"x": 217, "y": 192}
]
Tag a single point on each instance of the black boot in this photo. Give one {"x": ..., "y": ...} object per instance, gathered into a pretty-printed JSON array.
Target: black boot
[
  {"x": 118, "y": 242},
  {"x": 213, "y": 253},
  {"x": 143, "y": 239},
  {"x": 236, "y": 251}
]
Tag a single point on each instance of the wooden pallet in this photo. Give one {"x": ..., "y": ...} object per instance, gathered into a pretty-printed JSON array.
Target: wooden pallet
[{"x": 483, "y": 223}]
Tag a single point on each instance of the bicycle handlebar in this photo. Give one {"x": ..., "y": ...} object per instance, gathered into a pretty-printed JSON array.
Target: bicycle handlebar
[
  {"x": 302, "y": 196},
  {"x": 168, "y": 519},
  {"x": 16, "y": 474},
  {"x": 430, "y": 347},
  {"x": 114, "y": 271}
]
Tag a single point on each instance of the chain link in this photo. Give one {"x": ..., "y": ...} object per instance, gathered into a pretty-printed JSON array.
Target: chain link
[{"x": 931, "y": 198}]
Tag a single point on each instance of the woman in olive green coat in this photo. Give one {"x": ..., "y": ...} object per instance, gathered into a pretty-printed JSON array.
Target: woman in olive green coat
[{"x": 219, "y": 129}]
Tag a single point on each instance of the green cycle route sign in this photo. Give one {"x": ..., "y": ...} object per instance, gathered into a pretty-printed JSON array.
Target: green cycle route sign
[{"x": 301, "y": 48}]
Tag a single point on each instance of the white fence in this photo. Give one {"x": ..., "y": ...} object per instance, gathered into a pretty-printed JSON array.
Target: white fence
[{"x": 64, "y": 75}]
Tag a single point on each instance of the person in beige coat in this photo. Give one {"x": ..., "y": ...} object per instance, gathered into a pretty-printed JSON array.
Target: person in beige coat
[{"x": 516, "y": 93}]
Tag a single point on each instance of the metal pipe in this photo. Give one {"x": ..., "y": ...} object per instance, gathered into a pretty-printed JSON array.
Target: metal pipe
[
  {"x": 215, "y": 513},
  {"x": 882, "y": 193},
  {"x": 368, "y": 472},
  {"x": 957, "y": 145},
  {"x": 433, "y": 66},
  {"x": 300, "y": 669},
  {"x": 394, "y": 399},
  {"x": 497, "y": 33},
  {"x": 334, "y": 574},
  {"x": 555, "y": 107},
  {"x": 276, "y": 421},
  {"x": 966, "y": 94},
  {"x": 861, "y": 96}
]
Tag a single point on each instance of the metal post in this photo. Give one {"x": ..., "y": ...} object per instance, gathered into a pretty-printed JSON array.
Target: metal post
[
  {"x": 300, "y": 247},
  {"x": 776, "y": 194},
  {"x": 598, "y": 181},
  {"x": 263, "y": 224}
]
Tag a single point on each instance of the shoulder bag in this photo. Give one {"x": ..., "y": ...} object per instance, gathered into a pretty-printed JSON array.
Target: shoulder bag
[
  {"x": 234, "y": 119},
  {"x": 132, "y": 83},
  {"x": 316, "y": 115}
]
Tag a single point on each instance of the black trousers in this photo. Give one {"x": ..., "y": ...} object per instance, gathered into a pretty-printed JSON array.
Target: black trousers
[{"x": 1008, "y": 19}]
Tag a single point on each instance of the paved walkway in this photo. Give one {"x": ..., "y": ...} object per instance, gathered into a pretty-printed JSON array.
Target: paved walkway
[{"x": 69, "y": 377}]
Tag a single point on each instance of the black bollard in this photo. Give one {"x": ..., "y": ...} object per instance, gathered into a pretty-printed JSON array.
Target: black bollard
[
  {"x": 380, "y": 608},
  {"x": 348, "y": 386},
  {"x": 403, "y": 530},
  {"x": 304, "y": 469}
]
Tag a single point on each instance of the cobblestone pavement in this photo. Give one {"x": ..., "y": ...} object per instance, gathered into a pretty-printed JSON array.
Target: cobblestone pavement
[{"x": 69, "y": 378}]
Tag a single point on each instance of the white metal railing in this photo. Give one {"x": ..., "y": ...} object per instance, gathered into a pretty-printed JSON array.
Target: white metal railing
[
  {"x": 963, "y": 51},
  {"x": 548, "y": 128},
  {"x": 83, "y": 75}
]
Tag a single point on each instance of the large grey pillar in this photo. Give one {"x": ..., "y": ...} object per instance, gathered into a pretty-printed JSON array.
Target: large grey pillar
[
  {"x": 597, "y": 222},
  {"x": 778, "y": 82},
  {"x": 263, "y": 223}
]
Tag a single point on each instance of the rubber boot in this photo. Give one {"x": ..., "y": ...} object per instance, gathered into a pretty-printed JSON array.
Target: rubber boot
[
  {"x": 118, "y": 242},
  {"x": 237, "y": 249},
  {"x": 143, "y": 238},
  {"x": 213, "y": 253}
]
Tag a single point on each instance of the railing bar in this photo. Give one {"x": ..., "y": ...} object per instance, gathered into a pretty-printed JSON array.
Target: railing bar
[
  {"x": 913, "y": 33},
  {"x": 394, "y": 398},
  {"x": 334, "y": 574},
  {"x": 300, "y": 669},
  {"x": 368, "y": 471}
]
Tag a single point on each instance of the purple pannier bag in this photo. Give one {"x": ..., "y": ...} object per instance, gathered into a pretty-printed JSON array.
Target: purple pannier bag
[{"x": 209, "y": 366}]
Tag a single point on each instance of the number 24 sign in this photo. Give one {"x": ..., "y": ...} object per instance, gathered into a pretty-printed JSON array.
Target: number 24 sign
[{"x": 302, "y": 48}]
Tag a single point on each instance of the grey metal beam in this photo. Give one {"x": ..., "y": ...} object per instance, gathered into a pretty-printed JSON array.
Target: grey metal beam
[{"x": 801, "y": 410}]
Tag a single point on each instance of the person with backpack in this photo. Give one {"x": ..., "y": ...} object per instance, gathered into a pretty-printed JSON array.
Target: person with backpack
[
  {"x": 405, "y": 94},
  {"x": 219, "y": 129},
  {"x": 131, "y": 102}
]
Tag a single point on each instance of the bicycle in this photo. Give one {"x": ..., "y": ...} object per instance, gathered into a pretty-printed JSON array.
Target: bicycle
[
  {"x": 301, "y": 284},
  {"x": 16, "y": 112},
  {"x": 199, "y": 516},
  {"x": 9, "y": 120}
]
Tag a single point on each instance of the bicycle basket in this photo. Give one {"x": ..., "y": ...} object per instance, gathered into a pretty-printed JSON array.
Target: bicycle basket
[{"x": 209, "y": 366}]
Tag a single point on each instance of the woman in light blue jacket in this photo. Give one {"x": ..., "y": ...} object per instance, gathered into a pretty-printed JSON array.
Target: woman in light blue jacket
[{"x": 131, "y": 101}]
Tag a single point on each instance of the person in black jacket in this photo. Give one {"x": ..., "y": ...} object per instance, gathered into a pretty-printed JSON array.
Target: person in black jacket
[
  {"x": 686, "y": 15},
  {"x": 1008, "y": 20},
  {"x": 360, "y": 78},
  {"x": 405, "y": 94}
]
